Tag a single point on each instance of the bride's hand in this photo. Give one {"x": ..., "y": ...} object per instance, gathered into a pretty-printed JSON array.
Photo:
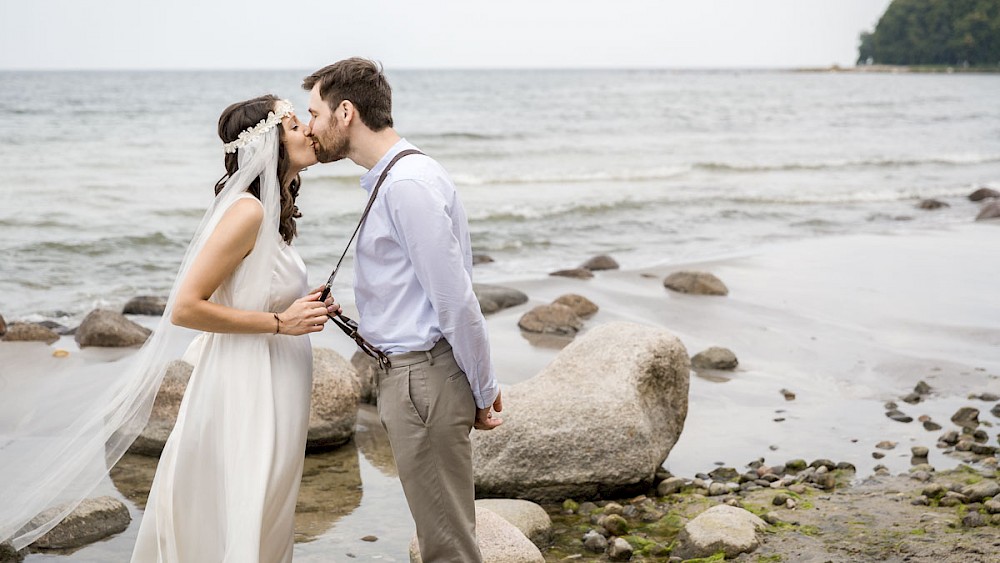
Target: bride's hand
[
  {"x": 305, "y": 315},
  {"x": 332, "y": 306}
]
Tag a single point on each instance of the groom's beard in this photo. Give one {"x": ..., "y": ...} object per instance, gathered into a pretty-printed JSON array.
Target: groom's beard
[{"x": 332, "y": 149}]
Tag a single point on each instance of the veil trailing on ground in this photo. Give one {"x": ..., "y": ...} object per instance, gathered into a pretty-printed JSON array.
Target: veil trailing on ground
[{"x": 61, "y": 433}]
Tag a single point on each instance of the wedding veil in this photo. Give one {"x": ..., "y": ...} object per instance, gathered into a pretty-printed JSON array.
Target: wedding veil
[{"x": 61, "y": 433}]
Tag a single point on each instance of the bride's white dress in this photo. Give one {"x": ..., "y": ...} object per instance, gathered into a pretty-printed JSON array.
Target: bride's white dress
[{"x": 227, "y": 481}]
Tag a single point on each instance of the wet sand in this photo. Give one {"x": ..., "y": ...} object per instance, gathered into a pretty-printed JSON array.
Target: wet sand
[{"x": 846, "y": 323}]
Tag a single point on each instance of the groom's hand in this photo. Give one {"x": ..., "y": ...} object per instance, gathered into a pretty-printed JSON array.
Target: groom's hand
[
  {"x": 484, "y": 417},
  {"x": 332, "y": 307}
]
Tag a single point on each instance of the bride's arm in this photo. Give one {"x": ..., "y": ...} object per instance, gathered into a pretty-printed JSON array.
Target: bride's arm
[{"x": 227, "y": 246}]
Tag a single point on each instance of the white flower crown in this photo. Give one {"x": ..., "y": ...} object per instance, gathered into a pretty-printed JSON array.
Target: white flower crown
[{"x": 282, "y": 109}]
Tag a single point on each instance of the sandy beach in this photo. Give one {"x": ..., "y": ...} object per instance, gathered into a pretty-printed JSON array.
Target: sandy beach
[{"x": 846, "y": 323}]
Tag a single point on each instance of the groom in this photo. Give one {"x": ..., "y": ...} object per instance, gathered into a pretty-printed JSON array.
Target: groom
[{"x": 413, "y": 288}]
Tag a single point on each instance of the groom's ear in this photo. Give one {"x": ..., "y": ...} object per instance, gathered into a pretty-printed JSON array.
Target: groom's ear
[{"x": 346, "y": 112}]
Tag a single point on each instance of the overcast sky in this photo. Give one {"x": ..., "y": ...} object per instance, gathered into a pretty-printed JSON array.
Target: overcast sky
[{"x": 222, "y": 34}]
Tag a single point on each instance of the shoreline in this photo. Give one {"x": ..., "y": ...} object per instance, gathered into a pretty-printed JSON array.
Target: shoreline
[
  {"x": 901, "y": 69},
  {"x": 847, "y": 323}
]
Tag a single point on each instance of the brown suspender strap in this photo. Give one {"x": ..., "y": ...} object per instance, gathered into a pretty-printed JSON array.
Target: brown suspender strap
[{"x": 350, "y": 327}]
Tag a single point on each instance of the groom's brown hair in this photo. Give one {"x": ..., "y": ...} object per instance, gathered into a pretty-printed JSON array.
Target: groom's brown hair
[{"x": 362, "y": 82}]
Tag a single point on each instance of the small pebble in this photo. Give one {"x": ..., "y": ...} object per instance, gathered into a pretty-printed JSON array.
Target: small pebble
[
  {"x": 370, "y": 538},
  {"x": 60, "y": 353},
  {"x": 919, "y": 451},
  {"x": 885, "y": 445}
]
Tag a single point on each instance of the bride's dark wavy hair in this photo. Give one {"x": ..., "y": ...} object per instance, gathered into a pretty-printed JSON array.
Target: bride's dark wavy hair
[{"x": 244, "y": 115}]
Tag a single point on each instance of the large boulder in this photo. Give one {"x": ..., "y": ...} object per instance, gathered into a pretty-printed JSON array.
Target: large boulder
[
  {"x": 499, "y": 541},
  {"x": 525, "y": 515},
  {"x": 493, "y": 298},
  {"x": 364, "y": 366},
  {"x": 599, "y": 420},
  {"x": 107, "y": 328},
  {"x": 602, "y": 262},
  {"x": 145, "y": 305},
  {"x": 165, "y": 408},
  {"x": 551, "y": 319},
  {"x": 30, "y": 332},
  {"x": 721, "y": 528},
  {"x": 93, "y": 520},
  {"x": 697, "y": 283},
  {"x": 335, "y": 396}
]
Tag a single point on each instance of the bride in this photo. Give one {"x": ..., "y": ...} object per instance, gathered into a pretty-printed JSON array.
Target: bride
[{"x": 227, "y": 480}]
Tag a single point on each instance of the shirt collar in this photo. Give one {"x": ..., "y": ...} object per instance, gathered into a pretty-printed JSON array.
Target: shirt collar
[{"x": 370, "y": 178}]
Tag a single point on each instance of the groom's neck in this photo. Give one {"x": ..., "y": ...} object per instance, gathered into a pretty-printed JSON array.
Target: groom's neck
[{"x": 368, "y": 147}]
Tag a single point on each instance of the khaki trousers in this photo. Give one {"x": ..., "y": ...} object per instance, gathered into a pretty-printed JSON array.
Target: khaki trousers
[{"x": 425, "y": 404}]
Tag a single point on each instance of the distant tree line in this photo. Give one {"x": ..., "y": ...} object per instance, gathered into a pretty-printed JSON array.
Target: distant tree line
[{"x": 935, "y": 32}]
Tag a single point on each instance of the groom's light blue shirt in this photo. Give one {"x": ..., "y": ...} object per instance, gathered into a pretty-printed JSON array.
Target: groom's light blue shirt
[{"x": 413, "y": 269}]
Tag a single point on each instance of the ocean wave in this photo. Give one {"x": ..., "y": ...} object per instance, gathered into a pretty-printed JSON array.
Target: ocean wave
[
  {"x": 868, "y": 196},
  {"x": 948, "y": 160},
  {"x": 104, "y": 246},
  {"x": 531, "y": 213},
  {"x": 665, "y": 173}
]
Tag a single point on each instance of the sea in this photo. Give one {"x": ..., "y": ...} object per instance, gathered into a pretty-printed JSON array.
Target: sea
[{"x": 105, "y": 175}]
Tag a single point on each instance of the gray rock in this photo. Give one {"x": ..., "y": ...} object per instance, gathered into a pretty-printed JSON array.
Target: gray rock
[
  {"x": 697, "y": 283},
  {"x": 966, "y": 417},
  {"x": 105, "y": 328},
  {"x": 29, "y": 332},
  {"x": 365, "y": 369},
  {"x": 931, "y": 426},
  {"x": 995, "y": 411},
  {"x": 582, "y": 306},
  {"x": 615, "y": 524},
  {"x": 913, "y": 398},
  {"x": 724, "y": 474},
  {"x": 595, "y": 542},
  {"x": 577, "y": 273},
  {"x": 165, "y": 407},
  {"x": 478, "y": 259},
  {"x": 717, "y": 489},
  {"x": 493, "y": 298},
  {"x": 670, "y": 486},
  {"x": 989, "y": 211},
  {"x": 973, "y": 520},
  {"x": 93, "y": 520},
  {"x": 950, "y": 437},
  {"x": 335, "y": 395},
  {"x": 720, "y": 528},
  {"x": 619, "y": 550},
  {"x": 602, "y": 262},
  {"x": 3, "y": 331},
  {"x": 981, "y": 491},
  {"x": 988, "y": 397},
  {"x": 715, "y": 358},
  {"x": 992, "y": 506},
  {"x": 922, "y": 388},
  {"x": 525, "y": 515},
  {"x": 145, "y": 305},
  {"x": 983, "y": 193},
  {"x": 932, "y": 204},
  {"x": 601, "y": 418},
  {"x": 551, "y": 319},
  {"x": 898, "y": 416},
  {"x": 919, "y": 451},
  {"x": 499, "y": 541},
  {"x": 10, "y": 555}
]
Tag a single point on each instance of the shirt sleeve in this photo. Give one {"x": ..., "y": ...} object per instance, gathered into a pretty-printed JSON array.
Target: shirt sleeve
[{"x": 422, "y": 218}]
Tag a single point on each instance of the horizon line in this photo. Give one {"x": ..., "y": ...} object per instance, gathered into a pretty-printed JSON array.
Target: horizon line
[{"x": 424, "y": 69}]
